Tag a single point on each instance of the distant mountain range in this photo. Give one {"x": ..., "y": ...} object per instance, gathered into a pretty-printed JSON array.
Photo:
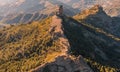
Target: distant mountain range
[
  {"x": 24, "y": 5},
  {"x": 32, "y": 10},
  {"x": 25, "y": 11},
  {"x": 112, "y": 7},
  {"x": 28, "y": 6}
]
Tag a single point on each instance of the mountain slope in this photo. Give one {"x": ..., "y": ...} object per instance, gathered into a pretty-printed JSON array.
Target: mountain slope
[
  {"x": 96, "y": 16},
  {"x": 21, "y": 45},
  {"x": 63, "y": 62},
  {"x": 36, "y": 46},
  {"x": 101, "y": 44}
]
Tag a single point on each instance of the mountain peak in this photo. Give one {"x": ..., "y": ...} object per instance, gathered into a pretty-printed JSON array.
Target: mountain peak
[
  {"x": 95, "y": 15},
  {"x": 96, "y": 9}
]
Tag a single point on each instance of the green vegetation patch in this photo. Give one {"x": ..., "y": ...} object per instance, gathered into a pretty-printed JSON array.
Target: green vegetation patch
[{"x": 24, "y": 47}]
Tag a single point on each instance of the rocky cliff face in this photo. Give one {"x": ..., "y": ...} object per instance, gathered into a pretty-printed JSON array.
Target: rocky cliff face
[{"x": 63, "y": 62}]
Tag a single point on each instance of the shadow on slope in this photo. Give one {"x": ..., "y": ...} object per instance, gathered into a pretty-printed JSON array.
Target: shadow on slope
[{"x": 92, "y": 45}]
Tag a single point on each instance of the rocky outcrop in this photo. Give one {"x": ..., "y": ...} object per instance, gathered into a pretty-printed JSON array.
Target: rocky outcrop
[
  {"x": 56, "y": 31},
  {"x": 66, "y": 64},
  {"x": 63, "y": 62}
]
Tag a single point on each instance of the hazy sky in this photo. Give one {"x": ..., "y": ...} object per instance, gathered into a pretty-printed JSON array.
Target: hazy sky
[{"x": 4, "y": 2}]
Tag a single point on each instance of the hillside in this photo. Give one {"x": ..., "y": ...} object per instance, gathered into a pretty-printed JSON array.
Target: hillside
[
  {"x": 32, "y": 46},
  {"x": 97, "y": 17},
  {"x": 105, "y": 42},
  {"x": 22, "y": 47}
]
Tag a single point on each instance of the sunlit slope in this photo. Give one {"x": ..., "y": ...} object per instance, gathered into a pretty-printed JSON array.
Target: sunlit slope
[{"x": 25, "y": 47}]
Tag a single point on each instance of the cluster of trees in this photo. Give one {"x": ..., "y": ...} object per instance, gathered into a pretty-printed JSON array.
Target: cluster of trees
[
  {"x": 97, "y": 67},
  {"x": 24, "y": 47}
]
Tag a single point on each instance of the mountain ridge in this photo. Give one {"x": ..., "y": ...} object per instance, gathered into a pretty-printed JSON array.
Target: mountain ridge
[
  {"x": 55, "y": 47},
  {"x": 44, "y": 44},
  {"x": 97, "y": 16},
  {"x": 64, "y": 57}
]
